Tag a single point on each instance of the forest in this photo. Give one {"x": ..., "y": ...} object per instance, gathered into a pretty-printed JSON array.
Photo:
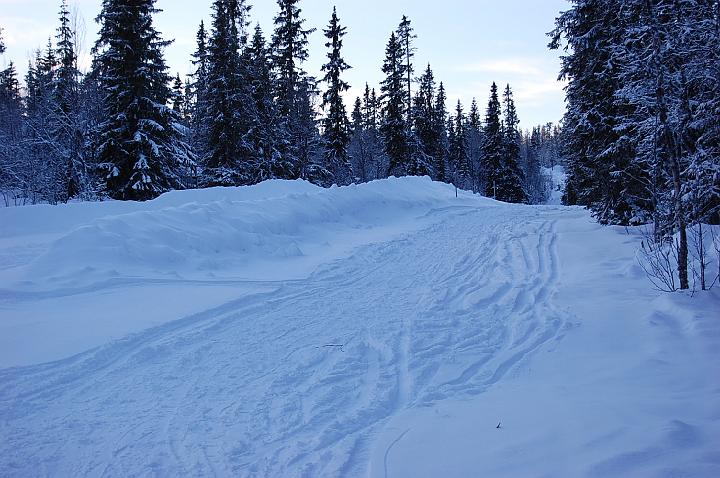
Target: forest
[
  {"x": 127, "y": 129},
  {"x": 642, "y": 129}
]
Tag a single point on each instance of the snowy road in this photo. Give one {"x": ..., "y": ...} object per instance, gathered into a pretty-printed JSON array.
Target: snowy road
[{"x": 302, "y": 377}]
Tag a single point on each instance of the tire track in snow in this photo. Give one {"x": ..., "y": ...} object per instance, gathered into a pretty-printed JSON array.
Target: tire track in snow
[{"x": 248, "y": 388}]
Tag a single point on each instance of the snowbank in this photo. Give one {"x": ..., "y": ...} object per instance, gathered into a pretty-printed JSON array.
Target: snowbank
[{"x": 220, "y": 232}]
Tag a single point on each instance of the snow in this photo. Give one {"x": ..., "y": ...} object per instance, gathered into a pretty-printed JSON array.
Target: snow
[
  {"x": 375, "y": 330},
  {"x": 557, "y": 177}
]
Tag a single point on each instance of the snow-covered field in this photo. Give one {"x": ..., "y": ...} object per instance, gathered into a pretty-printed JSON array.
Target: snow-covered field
[{"x": 377, "y": 330}]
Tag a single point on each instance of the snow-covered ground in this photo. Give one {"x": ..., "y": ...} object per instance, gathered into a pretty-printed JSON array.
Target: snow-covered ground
[{"x": 377, "y": 330}]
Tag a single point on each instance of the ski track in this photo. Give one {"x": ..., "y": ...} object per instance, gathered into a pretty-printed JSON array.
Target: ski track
[{"x": 258, "y": 387}]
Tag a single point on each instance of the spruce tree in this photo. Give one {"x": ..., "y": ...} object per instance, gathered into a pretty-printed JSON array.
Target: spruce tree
[
  {"x": 140, "y": 146},
  {"x": 493, "y": 145},
  {"x": 377, "y": 164},
  {"x": 424, "y": 121},
  {"x": 459, "y": 158},
  {"x": 405, "y": 37},
  {"x": 265, "y": 133},
  {"x": 336, "y": 135},
  {"x": 227, "y": 160},
  {"x": 440, "y": 115},
  {"x": 199, "y": 106},
  {"x": 357, "y": 148},
  {"x": 293, "y": 88},
  {"x": 67, "y": 128},
  {"x": 393, "y": 127},
  {"x": 474, "y": 132},
  {"x": 510, "y": 188},
  {"x": 13, "y": 168},
  {"x": 177, "y": 96},
  {"x": 597, "y": 149}
]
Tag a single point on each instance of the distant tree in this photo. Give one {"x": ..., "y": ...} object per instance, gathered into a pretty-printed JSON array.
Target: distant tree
[
  {"x": 177, "y": 96},
  {"x": 474, "y": 141},
  {"x": 67, "y": 125},
  {"x": 493, "y": 148},
  {"x": 265, "y": 134},
  {"x": 459, "y": 158},
  {"x": 293, "y": 90},
  {"x": 228, "y": 108},
  {"x": 439, "y": 122},
  {"x": 393, "y": 127},
  {"x": 510, "y": 188},
  {"x": 336, "y": 134},
  {"x": 13, "y": 168},
  {"x": 366, "y": 145},
  {"x": 425, "y": 122},
  {"x": 198, "y": 107},
  {"x": 405, "y": 37}
]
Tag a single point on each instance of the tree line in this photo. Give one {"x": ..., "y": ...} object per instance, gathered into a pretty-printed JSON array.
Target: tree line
[
  {"x": 642, "y": 128},
  {"x": 248, "y": 112}
]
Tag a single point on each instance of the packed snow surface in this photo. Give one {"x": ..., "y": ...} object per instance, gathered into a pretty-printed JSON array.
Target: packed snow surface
[{"x": 388, "y": 329}]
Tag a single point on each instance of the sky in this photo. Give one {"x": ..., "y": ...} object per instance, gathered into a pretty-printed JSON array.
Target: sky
[{"x": 469, "y": 43}]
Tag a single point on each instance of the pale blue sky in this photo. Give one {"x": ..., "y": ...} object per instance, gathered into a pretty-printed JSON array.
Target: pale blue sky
[{"x": 469, "y": 43}]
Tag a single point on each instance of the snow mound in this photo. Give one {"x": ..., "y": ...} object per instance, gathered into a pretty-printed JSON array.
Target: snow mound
[{"x": 228, "y": 231}]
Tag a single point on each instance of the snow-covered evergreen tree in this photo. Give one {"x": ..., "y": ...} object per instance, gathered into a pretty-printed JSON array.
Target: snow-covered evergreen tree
[
  {"x": 393, "y": 126},
  {"x": 141, "y": 147},
  {"x": 336, "y": 134},
  {"x": 596, "y": 149},
  {"x": 67, "y": 127},
  {"x": 177, "y": 96},
  {"x": 425, "y": 124},
  {"x": 440, "y": 115},
  {"x": 474, "y": 141},
  {"x": 405, "y": 37},
  {"x": 459, "y": 158},
  {"x": 265, "y": 134},
  {"x": 229, "y": 106},
  {"x": 293, "y": 91},
  {"x": 512, "y": 179},
  {"x": 366, "y": 146},
  {"x": 13, "y": 170},
  {"x": 493, "y": 148}
]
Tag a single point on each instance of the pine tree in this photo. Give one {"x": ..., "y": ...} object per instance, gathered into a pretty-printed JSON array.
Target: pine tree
[
  {"x": 440, "y": 115},
  {"x": 405, "y": 37},
  {"x": 306, "y": 138},
  {"x": 510, "y": 188},
  {"x": 140, "y": 145},
  {"x": 597, "y": 150},
  {"x": 357, "y": 148},
  {"x": 45, "y": 183},
  {"x": 459, "y": 158},
  {"x": 67, "y": 128},
  {"x": 199, "y": 106},
  {"x": 228, "y": 160},
  {"x": 374, "y": 160},
  {"x": 177, "y": 96},
  {"x": 293, "y": 88},
  {"x": 393, "y": 127},
  {"x": 13, "y": 170},
  {"x": 493, "y": 145},
  {"x": 475, "y": 140},
  {"x": 265, "y": 133},
  {"x": 424, "y": 121},
  {"x": 336, "y": 135}
]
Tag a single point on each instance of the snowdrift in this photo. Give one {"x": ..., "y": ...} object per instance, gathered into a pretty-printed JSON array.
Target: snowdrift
[{"x": 220, "y": 231}]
